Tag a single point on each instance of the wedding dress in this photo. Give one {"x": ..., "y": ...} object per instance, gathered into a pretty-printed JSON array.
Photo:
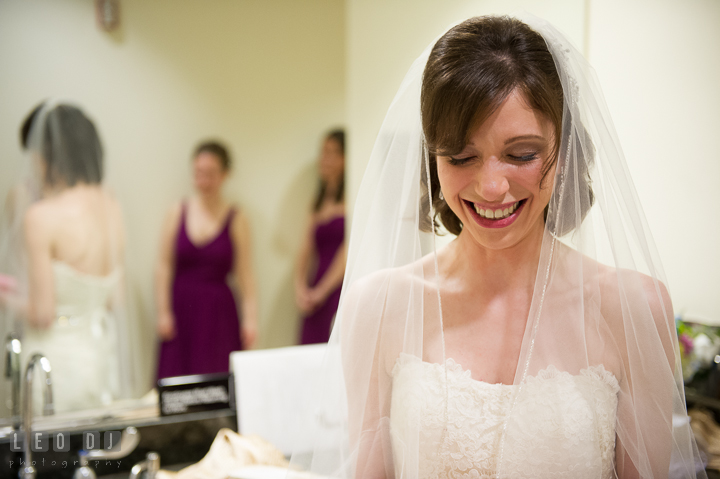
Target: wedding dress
[
  {"x": 560, "y": 411},
  {"x": 81, "y": 343}
]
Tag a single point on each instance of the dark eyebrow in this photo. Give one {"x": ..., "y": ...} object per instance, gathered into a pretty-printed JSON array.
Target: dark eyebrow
[{"x": 524, "y": 137}]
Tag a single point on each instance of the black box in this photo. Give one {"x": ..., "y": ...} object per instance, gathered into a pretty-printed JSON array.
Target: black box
[{"x": 197, "y": 393}]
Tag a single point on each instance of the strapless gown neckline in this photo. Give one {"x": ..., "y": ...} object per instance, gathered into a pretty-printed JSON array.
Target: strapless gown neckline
[{"x": 562, "y": 425}]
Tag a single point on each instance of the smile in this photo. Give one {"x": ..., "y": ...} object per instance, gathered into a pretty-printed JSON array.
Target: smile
[
  {"x": 500, "y": 217},
  {"x": 496, "y": 214}
]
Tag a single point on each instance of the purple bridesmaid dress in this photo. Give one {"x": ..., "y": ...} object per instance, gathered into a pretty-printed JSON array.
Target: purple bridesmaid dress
[
  {"x": 328, "y": 239},
  {"x": 206, "y": 316}
]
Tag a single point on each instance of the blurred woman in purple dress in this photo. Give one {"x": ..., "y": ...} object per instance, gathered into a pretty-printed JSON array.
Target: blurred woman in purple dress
[
  {"x": 321, "y": 264},
  {"x": 205, "y": 265}
]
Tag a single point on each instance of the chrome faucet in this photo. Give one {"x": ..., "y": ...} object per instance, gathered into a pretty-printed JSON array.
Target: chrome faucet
[
  {"x": 13, "y": 348},
  {"x": 151, "y": 465},
  {"x": 28, "y": 471},
  {"x": 128, "y": 442}
]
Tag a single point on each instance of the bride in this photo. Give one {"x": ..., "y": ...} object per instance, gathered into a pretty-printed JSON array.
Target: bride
[
  {"x": 66, "y": 291},
  {"x": 540, "y": 342}
]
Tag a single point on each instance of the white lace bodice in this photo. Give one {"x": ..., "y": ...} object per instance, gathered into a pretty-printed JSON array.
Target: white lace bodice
[{"x": 562, "y": 426}]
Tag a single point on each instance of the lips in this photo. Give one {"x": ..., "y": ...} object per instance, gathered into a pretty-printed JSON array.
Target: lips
[{"x": 498, "y": 217}]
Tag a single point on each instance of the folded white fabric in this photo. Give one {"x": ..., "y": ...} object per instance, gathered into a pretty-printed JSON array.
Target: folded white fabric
[{"x": 229, "y": 452}]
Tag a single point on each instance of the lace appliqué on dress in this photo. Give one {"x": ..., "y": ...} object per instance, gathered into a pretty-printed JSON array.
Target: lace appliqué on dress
[{"x": 562, "y": 425}]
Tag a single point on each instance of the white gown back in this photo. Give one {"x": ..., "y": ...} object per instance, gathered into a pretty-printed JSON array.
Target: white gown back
[{"x": 81, "y": 344}]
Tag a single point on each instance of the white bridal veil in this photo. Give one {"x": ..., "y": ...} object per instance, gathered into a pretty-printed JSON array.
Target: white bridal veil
[
  {"x": 600, "y": 307},
  {"x": 86, "y": 335}
]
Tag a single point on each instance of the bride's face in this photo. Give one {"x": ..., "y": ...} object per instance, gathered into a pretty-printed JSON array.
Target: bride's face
[{"x": 495, "y": 184}]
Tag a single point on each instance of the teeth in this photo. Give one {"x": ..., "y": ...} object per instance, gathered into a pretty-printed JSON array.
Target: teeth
[{"x": 496, "y": 214}]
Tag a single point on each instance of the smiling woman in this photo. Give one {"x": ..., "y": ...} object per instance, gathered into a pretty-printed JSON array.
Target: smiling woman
[
  {"x": 513, "y": 351},
  {"x": 500, "y": 174}
]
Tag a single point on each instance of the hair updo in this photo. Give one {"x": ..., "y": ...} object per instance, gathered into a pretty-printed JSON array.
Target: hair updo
[
  {"x": 216, "y": 149},
  {"x": 471, "y": 70}
]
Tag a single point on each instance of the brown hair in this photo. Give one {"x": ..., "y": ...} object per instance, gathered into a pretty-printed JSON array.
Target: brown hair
[
  {"x": 71, "y": 147},
  {"x": 470, "y": 72},
  {"x": 216, "y": 148},
  {"x": 339, "y": 137}
]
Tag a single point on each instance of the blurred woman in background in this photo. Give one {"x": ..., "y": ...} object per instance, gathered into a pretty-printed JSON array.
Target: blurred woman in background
[
  {"x": 205, "y": 242},
  {"x": 321, "y": 264},
  {"x": 68, "y": 295}
]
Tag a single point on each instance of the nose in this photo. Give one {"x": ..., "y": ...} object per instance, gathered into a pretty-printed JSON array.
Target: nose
[{"x": 492, "y": 183}]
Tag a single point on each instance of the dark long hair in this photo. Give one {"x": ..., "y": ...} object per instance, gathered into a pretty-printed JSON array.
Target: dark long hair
[
  {"x": 338, "y": 136},
  {"x": 71, "y": 145}
]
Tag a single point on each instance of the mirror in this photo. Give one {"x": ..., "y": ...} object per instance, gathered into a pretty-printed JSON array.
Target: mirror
[{"x": 268, "y": 79}]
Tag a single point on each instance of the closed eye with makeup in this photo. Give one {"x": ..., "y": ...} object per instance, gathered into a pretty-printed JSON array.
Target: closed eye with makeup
[{"x": 500, "y": 182}]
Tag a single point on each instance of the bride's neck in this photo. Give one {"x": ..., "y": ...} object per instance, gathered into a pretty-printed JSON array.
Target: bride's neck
[{"x": 479, "y": 265}]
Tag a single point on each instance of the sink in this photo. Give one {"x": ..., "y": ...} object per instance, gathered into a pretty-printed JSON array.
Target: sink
[{"x": 180, "y": 440}]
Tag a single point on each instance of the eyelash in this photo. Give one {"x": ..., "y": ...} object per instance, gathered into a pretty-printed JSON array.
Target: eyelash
[
  {"x": 459, "y": 161},
  {"x": 524, "y": 159}
]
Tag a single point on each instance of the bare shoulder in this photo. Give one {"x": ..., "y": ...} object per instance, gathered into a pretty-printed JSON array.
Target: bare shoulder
[
  {"x": 625, "y": 291},
  {"x": 239, "y": 214},
  {"x": 172, "y": 216},
  {"x": 374, "y": 285},
  {"x": 41, "y": 217},
  {"x": 114, "y": 208},
  {"x": 366, "y": 299},
  {"x": 113, "y": 202},
  {"x": 175, "y": 210},
  {"x": 239, "y": 224},
  {"x": 338, "y": 209},
  {"x": 377, "y": 309}
]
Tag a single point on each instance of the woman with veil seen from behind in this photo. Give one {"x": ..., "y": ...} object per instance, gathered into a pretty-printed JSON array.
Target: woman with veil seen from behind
[
  {"x": 540, "y": 343},
  {"x": 69, "y": 297}
]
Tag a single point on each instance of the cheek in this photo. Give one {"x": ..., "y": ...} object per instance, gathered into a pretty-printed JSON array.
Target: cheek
[
  {"x": 452, "y": 180},
  {"x": 208, "y": 178},
  {"x": 546, "y": 185},
  {"x": 530, "y": 178}
]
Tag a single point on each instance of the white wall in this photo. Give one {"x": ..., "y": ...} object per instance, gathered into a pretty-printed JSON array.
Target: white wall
[
  {"x": 658, "y": 63},
  {"x": 266, "y": 76}
]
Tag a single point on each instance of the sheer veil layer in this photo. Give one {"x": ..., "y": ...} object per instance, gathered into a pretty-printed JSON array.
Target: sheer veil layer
[
  {"x": 84, "y": 330},
  {"x": 597, "y": 390}
]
